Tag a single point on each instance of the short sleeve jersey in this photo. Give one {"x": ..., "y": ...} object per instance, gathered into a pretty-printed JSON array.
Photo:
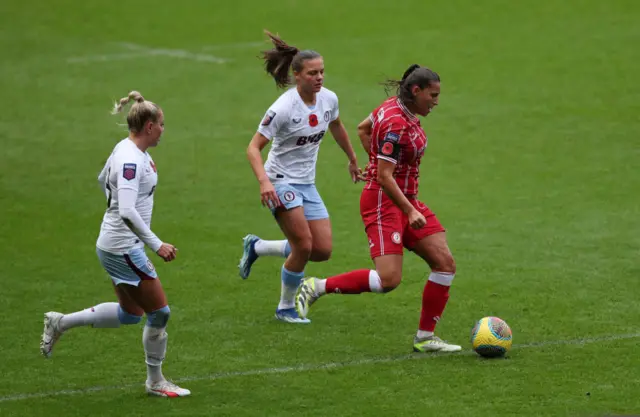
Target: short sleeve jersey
[
  {"x": 296, "y": 131},
  {"x": 397, "y": 137}
]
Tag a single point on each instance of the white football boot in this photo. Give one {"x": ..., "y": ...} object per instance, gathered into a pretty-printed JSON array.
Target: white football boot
[
  {"x": 51, "y": 332},
  {"x": 434, "y": 344},
  {"x": 166, "y": 389}
]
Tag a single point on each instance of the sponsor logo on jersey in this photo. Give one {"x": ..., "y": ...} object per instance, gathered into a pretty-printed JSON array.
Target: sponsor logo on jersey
[
  {"x": 392, "y": 137},
  {"x": 129, "y": 171},
  {"x": 387, "y": 148},
  {"x": 395, "y": 236},
  {"x": 327, "y": 116},
  {"x": 313, "y": 120},
  {"x": 268, "y": 118},
  {"x": 296, "y": 120}
]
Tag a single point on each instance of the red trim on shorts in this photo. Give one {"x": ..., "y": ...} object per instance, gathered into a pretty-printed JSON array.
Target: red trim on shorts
[{"x": 135, "y": 269}]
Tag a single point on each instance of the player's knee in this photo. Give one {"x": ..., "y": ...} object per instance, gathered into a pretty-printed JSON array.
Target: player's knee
[
  {"x": 320, "y": 254},
  {"x": 447, "y": 264},
  {"x": 159, "y": 318},
  {"x": 127, "y": 318},
  {"x": 302, "y": 248},
  {"x": 390, "y": 281}
]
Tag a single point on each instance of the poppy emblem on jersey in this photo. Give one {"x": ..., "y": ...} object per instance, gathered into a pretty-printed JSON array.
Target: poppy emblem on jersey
[
  {"x": 387, "y": 148},
  {"x": 289, "y": 196},
  {"x": 129, "y": 171},
  {"x": 392, "y": 137},
  {"x": 268, "y": 118},
  {"x": 395, "y": 236},
  {"x": 153, "y": 166},
  {"x": 313, "y": 120},
  {"x": 327, "y": 116}
]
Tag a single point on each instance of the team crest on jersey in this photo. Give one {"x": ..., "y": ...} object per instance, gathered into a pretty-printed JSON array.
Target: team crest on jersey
[
  {"x": 289, "y": 196},
  {"x": 387, "y": 148},
  {"x": 313, "y": 120},
  {"x": 150, "y": 265},
  {"x": 392, "y": 137},
  {"x": 395, "y": 237},
  {"x": 129, "y": 171},
  {"x": 327, "y": 116},
  {"x": 268, "y": 118}
]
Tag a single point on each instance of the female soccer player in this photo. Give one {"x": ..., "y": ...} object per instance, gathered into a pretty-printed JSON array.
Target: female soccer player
[
  {"x": 295, "y": 124},
  {"x": 393, "y": 216},
  {"x": 129, "y": 180}
]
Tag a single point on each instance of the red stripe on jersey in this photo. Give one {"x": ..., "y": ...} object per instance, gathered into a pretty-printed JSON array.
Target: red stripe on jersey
[{"x": 393, "y": 117}]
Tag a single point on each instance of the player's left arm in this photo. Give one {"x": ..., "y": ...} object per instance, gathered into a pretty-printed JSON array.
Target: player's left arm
[{"x": 341, "y": 136}]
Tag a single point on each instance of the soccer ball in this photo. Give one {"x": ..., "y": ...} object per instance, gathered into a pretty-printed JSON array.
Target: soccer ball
[{"x": 491, "y": 337}]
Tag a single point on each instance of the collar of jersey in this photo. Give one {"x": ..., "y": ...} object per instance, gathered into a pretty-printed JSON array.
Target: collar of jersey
[{"x": 406, "y": 111}]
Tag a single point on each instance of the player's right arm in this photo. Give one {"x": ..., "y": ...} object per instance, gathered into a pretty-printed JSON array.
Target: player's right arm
[
  {"x": 273, "y": 119},
  {"x": 268, "y": 194},
  {"x": 364, "y": 133},
  {"x": 128, "y": 180},
  {"x": 388, "y": 153}
]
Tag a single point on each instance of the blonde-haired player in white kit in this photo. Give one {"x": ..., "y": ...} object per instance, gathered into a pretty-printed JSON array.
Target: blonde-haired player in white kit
[
  {"x": 129, "y": 180},
  {"x": 295, "y": 125}
]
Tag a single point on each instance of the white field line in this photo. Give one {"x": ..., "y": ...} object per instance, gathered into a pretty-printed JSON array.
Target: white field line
[
  {"x": 142, "y": 51},
  {"x": 309, "y": 367}
]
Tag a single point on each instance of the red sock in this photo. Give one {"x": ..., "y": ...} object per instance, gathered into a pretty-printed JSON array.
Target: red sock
[
  {"x": 434, "y": 300},
  {"x": 354, "y": 282}
]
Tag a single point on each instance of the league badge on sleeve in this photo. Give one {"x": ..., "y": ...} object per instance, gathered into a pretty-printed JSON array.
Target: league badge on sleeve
[
  {"x": 129, "y": 171},
  {"x": 268, "y": 118},
  {"x": 392, "y": 137}
]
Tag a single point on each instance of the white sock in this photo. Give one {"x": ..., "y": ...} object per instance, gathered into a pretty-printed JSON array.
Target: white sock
[
  {"x": 321, "y": 286},
  {"x": 271, "y": 248},
  {"x": 154, "y": 341},
  {"x": 287, "y": 296},
  {"x": 423, "y": 334},
  {"x": 375, "y": 284},
  {"x": 103, "y": 315}
]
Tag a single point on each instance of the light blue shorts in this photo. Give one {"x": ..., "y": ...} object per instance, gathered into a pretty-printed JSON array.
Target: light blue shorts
[
  {"x": 302, "y": 195},
  {"x": 130, "y": 268}
]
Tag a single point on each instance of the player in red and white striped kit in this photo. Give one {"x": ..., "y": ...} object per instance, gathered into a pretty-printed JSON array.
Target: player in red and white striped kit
[{"x": 393, "y": 216}]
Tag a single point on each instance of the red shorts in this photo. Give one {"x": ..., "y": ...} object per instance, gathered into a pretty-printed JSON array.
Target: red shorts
[{"x": 388, "y": 227}]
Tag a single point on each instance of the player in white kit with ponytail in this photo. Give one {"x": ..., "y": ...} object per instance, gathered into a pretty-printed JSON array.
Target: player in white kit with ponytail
[
  {"x": 129, "y": 180},
  {"x": 295, "y": 125}
]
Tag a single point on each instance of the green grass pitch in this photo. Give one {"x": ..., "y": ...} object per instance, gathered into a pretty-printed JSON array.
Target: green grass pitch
[{"x": 532, "y": 165}]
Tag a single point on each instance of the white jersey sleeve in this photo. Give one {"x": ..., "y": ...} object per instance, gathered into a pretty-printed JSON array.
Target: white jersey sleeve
[
  {"x": 332, "y": 99},
  {"x": 128, "y": 174},
  {"x": 275, "y": 120}
]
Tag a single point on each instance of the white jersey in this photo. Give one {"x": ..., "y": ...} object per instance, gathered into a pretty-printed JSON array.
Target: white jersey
[
  {"x": 295, "y": 131},
  {"x": 128, "y": 174}
]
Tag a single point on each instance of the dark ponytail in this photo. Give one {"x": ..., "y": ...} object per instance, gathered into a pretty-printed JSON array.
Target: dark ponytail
[
  {"x": 414, "y": 75},
  {"x": 281, "y": 57}
]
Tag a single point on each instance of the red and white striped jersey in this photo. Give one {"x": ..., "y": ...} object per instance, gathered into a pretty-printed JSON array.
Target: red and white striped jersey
[{"x": 396, "y": 137}]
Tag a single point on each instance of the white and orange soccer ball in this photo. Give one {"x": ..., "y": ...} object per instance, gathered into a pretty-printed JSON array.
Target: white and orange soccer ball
[{"x": 491, "y": 337}]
